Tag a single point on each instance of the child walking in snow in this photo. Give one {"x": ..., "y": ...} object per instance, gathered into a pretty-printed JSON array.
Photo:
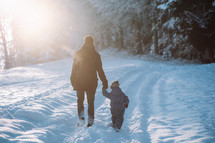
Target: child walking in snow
[{"x": 119, "y": 101}]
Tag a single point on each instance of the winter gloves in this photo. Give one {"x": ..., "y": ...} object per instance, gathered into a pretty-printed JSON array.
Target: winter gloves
[{"x": 126, "y": 105}]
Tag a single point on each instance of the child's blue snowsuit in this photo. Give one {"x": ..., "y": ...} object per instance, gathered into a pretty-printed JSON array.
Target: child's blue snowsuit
[{"x": 118, "y": 103}]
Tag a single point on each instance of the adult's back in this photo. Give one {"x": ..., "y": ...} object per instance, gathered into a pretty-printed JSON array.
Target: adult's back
[{"x": 86, "y": 64}]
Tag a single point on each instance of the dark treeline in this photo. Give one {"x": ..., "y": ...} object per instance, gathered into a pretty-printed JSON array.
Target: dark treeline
[{"x": 170, "y": 28}]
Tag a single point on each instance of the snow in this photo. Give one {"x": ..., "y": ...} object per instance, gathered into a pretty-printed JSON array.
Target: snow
[
  {"x": 165, "y": 6},
  {"x": 172, "y": 23},
  {"x": 169, "y": 102}
]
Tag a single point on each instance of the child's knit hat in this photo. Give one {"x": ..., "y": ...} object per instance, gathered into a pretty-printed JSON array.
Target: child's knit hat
[{"x": 114, "y": 84}]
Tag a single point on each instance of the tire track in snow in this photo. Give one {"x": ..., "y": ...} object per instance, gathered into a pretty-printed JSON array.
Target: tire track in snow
[
  {"x": 174, "y": 118},
  {"x": 138, "y": 90},
  {"x": 135, "y": 116}
]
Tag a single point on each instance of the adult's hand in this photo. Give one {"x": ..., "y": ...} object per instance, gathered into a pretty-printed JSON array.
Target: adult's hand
[{"x": 105, "y": 85}]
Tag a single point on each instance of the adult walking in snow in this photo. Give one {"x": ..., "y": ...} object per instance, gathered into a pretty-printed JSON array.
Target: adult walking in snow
[{"x": 86, "y": 64}]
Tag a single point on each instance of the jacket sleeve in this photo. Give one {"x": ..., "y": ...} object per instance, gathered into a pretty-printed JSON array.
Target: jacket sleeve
[
  {"x": 73, "y": 71},
  {"x": 126, "y": 99},
  {"x": 101, "y": 71},
  {"x": 105, "y": 93}
]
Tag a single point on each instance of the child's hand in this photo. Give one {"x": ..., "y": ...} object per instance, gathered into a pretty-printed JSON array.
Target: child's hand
[{"x": 126, "y": 105}]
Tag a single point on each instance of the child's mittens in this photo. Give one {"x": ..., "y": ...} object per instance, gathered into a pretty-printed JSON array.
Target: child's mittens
[{"x": 126, "y": 105}]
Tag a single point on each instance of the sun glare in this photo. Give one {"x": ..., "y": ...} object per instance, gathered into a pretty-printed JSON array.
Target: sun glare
[
  {"x": 31, "y": 15},
  {"x": 7, "y": 6}
]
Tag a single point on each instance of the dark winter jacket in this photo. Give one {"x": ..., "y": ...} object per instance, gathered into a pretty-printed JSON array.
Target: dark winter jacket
[
  {"x": 86, "y": 64},
  {"x": 118, "y": 100}
]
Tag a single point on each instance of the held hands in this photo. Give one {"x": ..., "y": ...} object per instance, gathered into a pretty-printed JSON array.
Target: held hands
[{"x": 105, "y": 85}]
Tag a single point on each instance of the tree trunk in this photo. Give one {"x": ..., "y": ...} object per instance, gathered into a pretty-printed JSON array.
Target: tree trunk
[
  {"x": 121, "y": 39},
  {"x": 7, "y": 62},
  {"x": 155, "y": 28},
  {"x": 139, "y": 47},
  {"x": 139, "y": 38},
  {"x": 156, "y": 41}
]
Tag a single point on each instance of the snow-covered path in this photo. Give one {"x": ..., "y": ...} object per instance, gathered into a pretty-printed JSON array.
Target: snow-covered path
[{"x": 168, "y": 103}]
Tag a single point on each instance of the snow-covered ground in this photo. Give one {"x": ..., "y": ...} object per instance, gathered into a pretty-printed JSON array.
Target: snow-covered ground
[{"x": 169, "y": 102}]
